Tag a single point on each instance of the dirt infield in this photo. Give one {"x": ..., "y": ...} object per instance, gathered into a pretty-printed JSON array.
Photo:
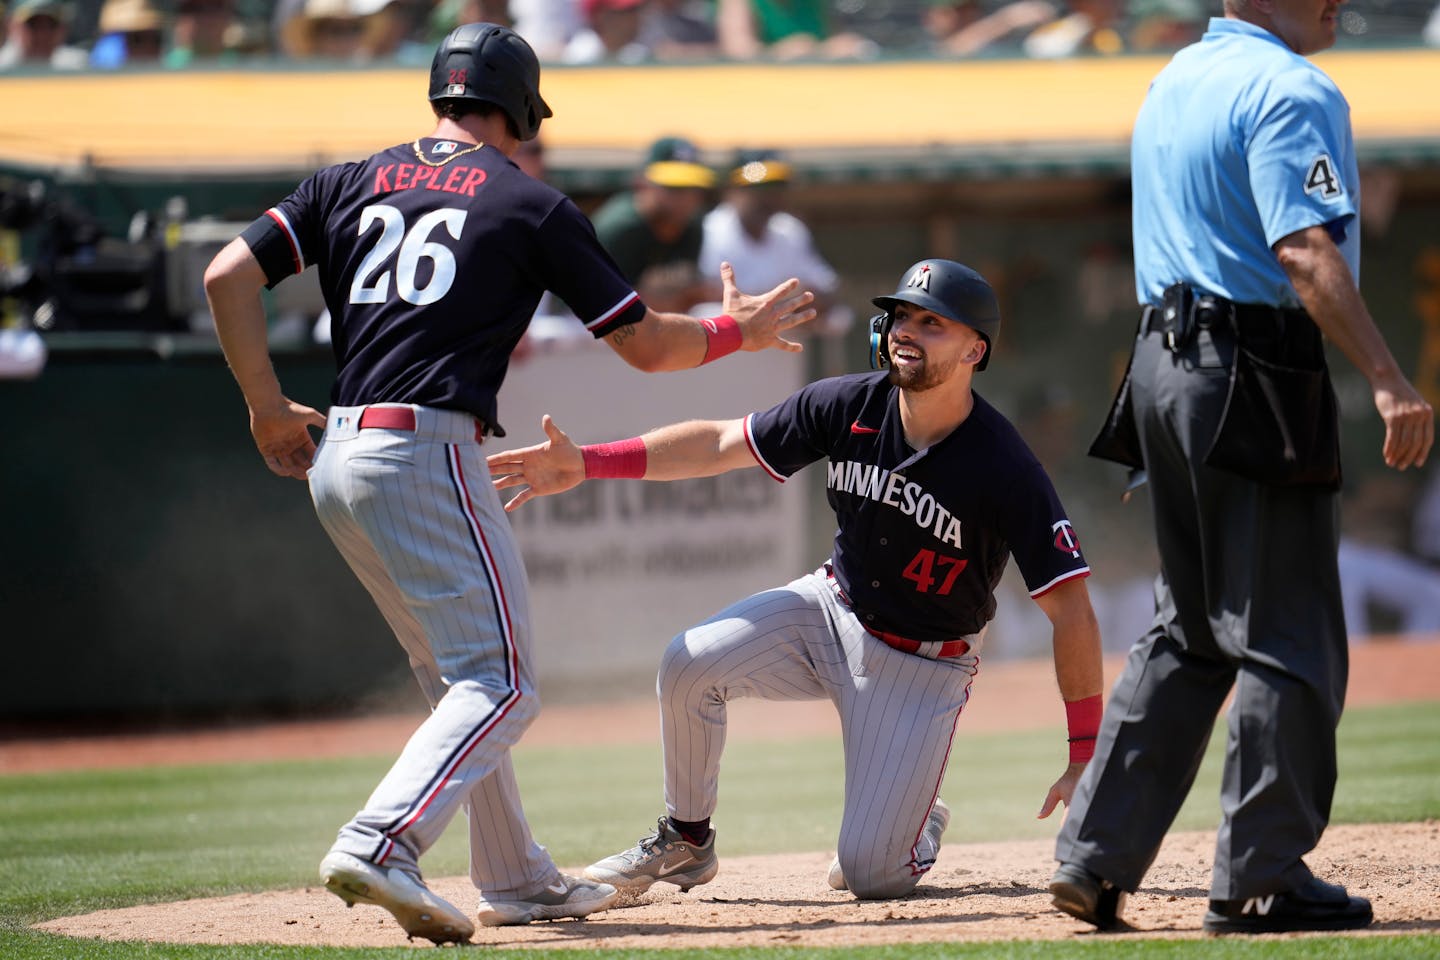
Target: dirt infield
[
  {"x": 985, "y": 891},
  {"x": 989, "y": 891}
]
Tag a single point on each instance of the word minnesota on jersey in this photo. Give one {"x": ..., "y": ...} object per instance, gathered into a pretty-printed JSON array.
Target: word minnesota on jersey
[
  {"x": 893, "y": 490},
  {"x": 463, "y": 180}
]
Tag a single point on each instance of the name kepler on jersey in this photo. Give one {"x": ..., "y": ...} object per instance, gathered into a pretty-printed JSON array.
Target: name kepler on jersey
[
  {"x": 893, "y": 490},
  {"x": 460, "y": 179}
]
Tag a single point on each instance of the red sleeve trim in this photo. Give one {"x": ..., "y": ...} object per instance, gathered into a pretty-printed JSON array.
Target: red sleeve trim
[
  {"x": 599, "y": 324},
  {"x": 1041, "y": 591},
  {"x": 289, "y": 231},
  {"x": 755, "y": 452}
]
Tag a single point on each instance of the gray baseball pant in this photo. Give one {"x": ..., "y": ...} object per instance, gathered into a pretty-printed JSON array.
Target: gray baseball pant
[
  {"x": 415, "y": 516},
  {"x": 1248, "y": 598},
  {"x": 897, "y": 717}
]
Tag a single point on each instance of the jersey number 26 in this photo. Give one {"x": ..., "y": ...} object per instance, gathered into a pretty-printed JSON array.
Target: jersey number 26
[{"x": 372, "y": 280}]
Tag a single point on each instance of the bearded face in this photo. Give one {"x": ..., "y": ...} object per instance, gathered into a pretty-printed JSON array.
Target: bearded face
[{"x": 926, "y": 349}]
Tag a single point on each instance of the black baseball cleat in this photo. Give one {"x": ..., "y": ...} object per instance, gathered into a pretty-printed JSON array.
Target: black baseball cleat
[
  {"x": 1085, "y": 896},
  {"x": 1314, "y": 905}
]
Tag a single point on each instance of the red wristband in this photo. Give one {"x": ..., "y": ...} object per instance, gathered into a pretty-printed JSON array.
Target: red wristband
[
  {"x": 1082, "y": 717},
  {"x": 722, "y": 336},
  {"x": 621, "y": 460}
]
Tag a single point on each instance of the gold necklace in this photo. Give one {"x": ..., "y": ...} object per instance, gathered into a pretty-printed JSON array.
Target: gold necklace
[{"x": 420, "y": 154}]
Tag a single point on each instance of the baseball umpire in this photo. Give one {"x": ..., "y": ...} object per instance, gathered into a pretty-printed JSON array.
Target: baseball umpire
[
  {"x": 432, "y": 257},
  {"x": 1246, "y": 251},
  {"x": 933, "y": 490}
]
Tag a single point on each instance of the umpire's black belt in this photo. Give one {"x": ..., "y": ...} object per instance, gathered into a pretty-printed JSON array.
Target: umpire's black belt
[{"x": 1184, "y": 312}]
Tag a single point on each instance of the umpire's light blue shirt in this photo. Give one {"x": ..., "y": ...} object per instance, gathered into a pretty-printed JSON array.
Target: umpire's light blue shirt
[{"x": 1239, "y": 143}]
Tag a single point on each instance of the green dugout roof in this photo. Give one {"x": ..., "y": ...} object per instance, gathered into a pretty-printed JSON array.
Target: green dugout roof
[{"x": 885, "y": 120}]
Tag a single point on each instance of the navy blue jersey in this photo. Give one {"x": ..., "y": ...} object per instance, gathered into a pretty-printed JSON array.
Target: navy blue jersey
[
  {"x": 923, "y": 536},
  {"x": 432, "y": 259}
]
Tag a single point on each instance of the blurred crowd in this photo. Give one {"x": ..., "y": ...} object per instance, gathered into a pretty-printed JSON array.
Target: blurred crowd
[{"x": 103, "y": 34}]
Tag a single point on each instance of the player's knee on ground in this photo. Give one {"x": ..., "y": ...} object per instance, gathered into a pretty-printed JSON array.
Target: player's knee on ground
[{"x": 871, "y": 880}]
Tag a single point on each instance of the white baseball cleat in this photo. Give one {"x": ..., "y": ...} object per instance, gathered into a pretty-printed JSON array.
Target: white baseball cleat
[
  {"x": 419, "y": 912},
  {"x": 567, "y": 896},
  {"x": 664, "y": 856}
]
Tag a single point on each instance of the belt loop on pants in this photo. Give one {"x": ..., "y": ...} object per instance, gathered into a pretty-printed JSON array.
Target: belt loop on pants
[{"x": 934, "y": 650}]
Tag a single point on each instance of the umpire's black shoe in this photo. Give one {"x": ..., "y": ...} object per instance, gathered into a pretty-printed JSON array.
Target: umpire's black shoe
[
  {"x": 1087, "y": 897},
  {"x": 1314, "y": 905}
]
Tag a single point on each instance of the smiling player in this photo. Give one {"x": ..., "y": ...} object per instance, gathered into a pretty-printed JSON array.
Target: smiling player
[{"x": 933, "y": 491}]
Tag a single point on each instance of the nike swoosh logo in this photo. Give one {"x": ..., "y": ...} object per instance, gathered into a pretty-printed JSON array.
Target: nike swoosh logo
[
  {"x": 663, "y": 871},
  {"x": 558, "y": 887},
  {"x": 856, "y": 428}
]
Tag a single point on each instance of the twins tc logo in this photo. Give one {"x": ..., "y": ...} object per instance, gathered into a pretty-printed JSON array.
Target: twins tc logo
[
  {"x": 1065, "y": 539},
  {"x": 920, "y": 278}
]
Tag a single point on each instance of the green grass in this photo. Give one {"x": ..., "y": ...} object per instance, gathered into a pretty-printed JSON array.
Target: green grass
[
  {"x": 78, "y": 841},
  {"x": 1110, "y": 948}
]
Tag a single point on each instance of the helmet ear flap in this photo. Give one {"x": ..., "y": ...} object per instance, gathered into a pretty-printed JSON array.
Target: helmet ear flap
[{"x": 879, "y": 334}]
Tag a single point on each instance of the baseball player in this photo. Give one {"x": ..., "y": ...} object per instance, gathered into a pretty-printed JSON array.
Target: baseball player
[
  {"x": 934, "y": 491},
  {"x": 432, "y": 257},
  {"x": 1247, "y": 248}
]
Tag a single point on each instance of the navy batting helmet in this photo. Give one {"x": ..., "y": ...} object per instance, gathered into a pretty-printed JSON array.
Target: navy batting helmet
[
  {"x": 946, "y": 288},
  {"x": 485, "y": 61}
]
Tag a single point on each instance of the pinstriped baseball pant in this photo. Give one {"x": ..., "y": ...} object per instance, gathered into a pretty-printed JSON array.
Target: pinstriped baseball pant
[
  {"x": 897, "y": 713},
  {"x": 416, "y": 518}
]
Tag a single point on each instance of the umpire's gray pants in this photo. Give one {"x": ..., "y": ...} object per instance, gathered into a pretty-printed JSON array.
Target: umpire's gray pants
[{"x": 1248, "y": 598}]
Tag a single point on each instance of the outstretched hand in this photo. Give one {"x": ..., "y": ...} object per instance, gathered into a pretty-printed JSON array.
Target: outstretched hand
[
  {"x": 764, "y": 317},
  {"x": 282, "y": 435},
  {"x": 544, "y": 469},
  {"x": 1061, "y": 790}
]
